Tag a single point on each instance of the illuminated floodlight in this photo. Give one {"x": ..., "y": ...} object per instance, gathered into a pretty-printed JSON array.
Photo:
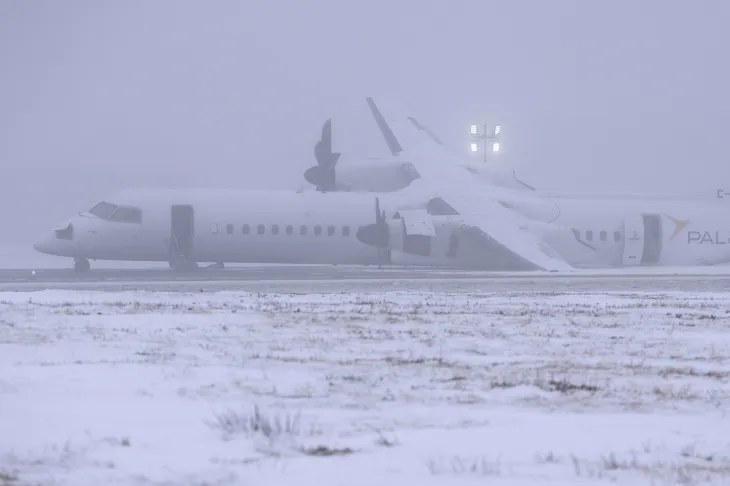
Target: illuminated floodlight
[
  {"x": 495, "y": 147},
  {"x": 474, "y": 147},
  {"x": 497, "y": 129},
  {"x": 474, "y": 130}
]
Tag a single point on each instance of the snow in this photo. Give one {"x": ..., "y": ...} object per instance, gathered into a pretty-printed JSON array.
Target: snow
[{"x": 359, "y": 389}]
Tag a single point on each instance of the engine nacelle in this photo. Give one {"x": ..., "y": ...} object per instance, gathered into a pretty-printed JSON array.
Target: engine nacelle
[
  {"x": 374, "y": 175},
  {"x": 415, "y": 232},
  {"x": 450, "y": 244}
]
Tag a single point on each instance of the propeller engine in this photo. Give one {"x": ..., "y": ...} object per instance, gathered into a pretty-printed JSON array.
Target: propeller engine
[
  {"x": 377, "y": 235},
  {"x": 322, "y": 175}
]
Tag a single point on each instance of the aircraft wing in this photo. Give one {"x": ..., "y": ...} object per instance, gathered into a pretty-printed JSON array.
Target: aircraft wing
[{"x": 478, "y": 204}]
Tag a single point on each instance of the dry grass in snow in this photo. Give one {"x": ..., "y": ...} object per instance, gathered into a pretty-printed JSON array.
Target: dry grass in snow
[{"x": 391, "y": 388}]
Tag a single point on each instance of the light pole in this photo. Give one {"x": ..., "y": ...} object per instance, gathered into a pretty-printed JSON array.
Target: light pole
[{"x": 476, "y": 134}]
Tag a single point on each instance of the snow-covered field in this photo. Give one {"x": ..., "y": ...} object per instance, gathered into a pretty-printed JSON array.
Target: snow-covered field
[{"x": 364, "y": 389}]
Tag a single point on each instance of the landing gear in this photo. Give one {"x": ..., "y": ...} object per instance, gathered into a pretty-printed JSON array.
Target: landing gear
[
  {"x": 179, "y": 263},
  {"x": 81, "y": 265}
]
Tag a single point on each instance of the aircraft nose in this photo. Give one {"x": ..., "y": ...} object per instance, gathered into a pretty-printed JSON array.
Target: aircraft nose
[
  {"x": 44, "y": 246},
  {"x": 60, "y": 242}
]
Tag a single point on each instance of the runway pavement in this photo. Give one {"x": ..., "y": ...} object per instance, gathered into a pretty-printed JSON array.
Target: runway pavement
[{"x": 329, "y": 278}]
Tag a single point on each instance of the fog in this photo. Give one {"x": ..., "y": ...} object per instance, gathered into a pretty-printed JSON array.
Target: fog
[{"x": 97, "y": 96}]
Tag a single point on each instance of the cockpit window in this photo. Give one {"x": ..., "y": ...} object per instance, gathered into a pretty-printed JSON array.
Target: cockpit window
[
  {"x": 126, "y": 214},
  {"x": 119, "y": 214},
  {"x": 103, "y": 210}
]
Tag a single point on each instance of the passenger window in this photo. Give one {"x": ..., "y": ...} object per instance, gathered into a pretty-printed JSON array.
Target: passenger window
[
  {"x": 214, "y": 228},
  {"x": 317, "y": 230},
  {"x": 229, "y": 229},
  {"x": 345, "y": 231},
  {"x": 303, "y": 230},
  {"x": 275, "y": 229},
  {"x": 603, "y": 235},
  {"x": 246, "y": 229},
  {"x": 103, "y": 210},
  {"x": 261, "y": 229},
  {"x": 330, "y": 230},
  {"x": 589, "y": 235},
  {"x": 289, "y": 230},
  {"x": 576, "y": 233},
  {"x": 616, "y": 236},
  {"x": 125, "y": 214}
]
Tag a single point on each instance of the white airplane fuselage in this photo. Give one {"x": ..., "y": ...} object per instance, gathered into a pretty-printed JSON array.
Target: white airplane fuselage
[
  {"x": 630, "y": 232},
  {"x": 372, "y": 175},
  {"x": 315, "y": 228},
  {"x": 229, "y": 226},
  {"x": 395, "y": 174}
]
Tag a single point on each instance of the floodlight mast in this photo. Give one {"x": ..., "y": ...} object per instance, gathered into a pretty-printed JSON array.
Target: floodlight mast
[{"x": 494, "y": 138}]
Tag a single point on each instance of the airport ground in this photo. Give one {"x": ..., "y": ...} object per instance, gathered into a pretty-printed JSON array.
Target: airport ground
[{"x": 338, "y": 279}]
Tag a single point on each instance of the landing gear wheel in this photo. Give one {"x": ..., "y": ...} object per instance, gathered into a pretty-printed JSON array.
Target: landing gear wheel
[
  {"x": 81, "y": 265},
  {"x": 189, "y": 266},
  {"x": 179, "y": 264}
]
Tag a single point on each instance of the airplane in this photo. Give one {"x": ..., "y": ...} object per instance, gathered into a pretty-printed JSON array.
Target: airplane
[
  {"x": 443, "y": 217},
  {"x": 187, "y": 226},
  {"x": 117, "y": 230},
  {"x": 184, "y": 227}
]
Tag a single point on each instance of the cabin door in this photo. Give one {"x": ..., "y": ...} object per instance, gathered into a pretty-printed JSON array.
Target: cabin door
[
  {"x": 182, "y": 233},
  {"x": 652, "y": 239},
  {"x": 642, "y": 240},
  {"x": 633, "y": 240}
]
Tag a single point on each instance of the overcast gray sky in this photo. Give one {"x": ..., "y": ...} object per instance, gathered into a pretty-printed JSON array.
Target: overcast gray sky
[{"x": 99, "y": 95}]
